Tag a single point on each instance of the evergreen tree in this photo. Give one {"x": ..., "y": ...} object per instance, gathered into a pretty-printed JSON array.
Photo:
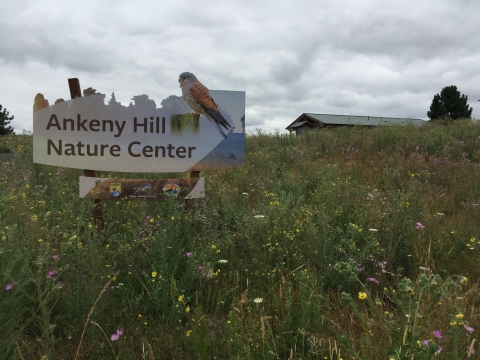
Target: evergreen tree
[
  {"x": 4, "y": 121},
  {"x": 449, "y": 104}
]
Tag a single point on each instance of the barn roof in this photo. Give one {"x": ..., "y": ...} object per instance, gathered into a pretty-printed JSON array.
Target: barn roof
[{"x": 329, "y": 119}]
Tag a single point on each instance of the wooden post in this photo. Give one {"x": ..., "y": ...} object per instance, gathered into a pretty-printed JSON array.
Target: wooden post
[{"x": 97, "y": 214}]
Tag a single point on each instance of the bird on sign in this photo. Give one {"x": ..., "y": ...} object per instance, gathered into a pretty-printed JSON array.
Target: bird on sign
[{"x": 198, "y": 98}]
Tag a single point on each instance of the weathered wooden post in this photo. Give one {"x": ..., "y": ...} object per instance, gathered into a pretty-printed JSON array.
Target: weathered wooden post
[{"x": 97, "y": 214}]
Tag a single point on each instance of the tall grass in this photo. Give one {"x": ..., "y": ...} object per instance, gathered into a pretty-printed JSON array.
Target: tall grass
[{"x": 343, "y": 243}]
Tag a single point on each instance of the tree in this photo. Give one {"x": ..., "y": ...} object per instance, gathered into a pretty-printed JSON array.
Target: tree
[
  {"x": 4, "y": 121},
  {"x": 90, "y": 91},
  {"x": 449, "y": 104},
  {"x": 40, "y": 102}
]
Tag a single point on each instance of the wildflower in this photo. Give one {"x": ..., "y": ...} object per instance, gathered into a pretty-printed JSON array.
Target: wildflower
[
  {"x": 425, "y": 343},
  {"x": 187, "y": 309},
  {"x": 472, "y": 240},
  {"x": 201, "y": 268},
  {"x": 180, "y": 298},
  {"x": 420, "y": 226},
  {"x": 40, "y": 240},
  {"x": 469, "y": 329},
  {"x": 459, "y": 316},
  {"x": 245, "y": 193},
  {"x": 34, "y": 218},
  {"x": 152, "y": 220},
  {"x": 117, "y": 335},
  {"x": 56, "y": 257},
  {"x": 362, "y": 295},
  {"x": 453, "y": 323},
  {"x": 188, "y": 254},
  {"x": 258, "y": 300},
  {"x": 372, "y": 230},
  {"x": 437, "y": 334},
  {"x": 438, "y": 351},
  {"x": 11, "y": 285},
  {"x": 223, "y": 261},
  {"x": 373, "y": 280},
  {"x": 188, "y": 333},
  {"x": 80, "y": 245},
  {"x": 259, "y": 216},
  {"x": 154, "y": 273},
  {"x": 51, "y": 274},
  {"x": 462, "y": 280}
]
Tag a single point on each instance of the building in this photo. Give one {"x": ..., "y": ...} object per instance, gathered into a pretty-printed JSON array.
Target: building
[{"x": 309, "y": 121}]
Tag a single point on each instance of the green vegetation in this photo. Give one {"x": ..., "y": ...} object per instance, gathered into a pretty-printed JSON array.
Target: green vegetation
[
  {"x": 5, "y": 128},
  {"x": 449, "y": 105},
  {"x": 348, "y": 243}
]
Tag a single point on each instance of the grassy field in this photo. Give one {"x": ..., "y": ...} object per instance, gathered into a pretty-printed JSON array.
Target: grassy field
[{"x": 338, "y": 244}]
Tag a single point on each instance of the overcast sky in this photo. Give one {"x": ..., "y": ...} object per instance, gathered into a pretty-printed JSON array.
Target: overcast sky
[{"x": 368, "y": 57}]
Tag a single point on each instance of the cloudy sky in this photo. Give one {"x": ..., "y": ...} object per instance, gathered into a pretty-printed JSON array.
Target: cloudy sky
[{"x": 368, "y": 57}]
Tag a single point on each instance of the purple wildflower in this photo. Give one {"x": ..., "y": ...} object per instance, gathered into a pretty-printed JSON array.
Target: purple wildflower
[
  {"x": 117, "y": 335},
  {"x": 51, "y": 274},
  {"x": 469, "y": 329},
  {"x": 11, "y": 285},
  {"x": 374, "y": 280},
  {"x": 56, "y": 257},
  {"x": 438, "y": 351},
  {"x": 420, "y": 226},
  {"x": 201, "y": 268},
  {"x": 188, "y": 254},
  {"x": 438, "y": 334},
  {"x": 425, "y": 343}
]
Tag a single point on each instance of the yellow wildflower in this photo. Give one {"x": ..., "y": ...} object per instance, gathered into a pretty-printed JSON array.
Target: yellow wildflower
[{"x": 362, "y": 295}]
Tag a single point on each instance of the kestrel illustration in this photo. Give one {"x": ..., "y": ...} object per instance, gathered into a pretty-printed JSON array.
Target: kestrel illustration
[
  {"x": 198, "y": 98},
  {"x": 143, "y": 187}
]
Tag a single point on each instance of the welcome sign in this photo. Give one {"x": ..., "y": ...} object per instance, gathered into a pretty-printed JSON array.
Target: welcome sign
[{"x": 86, "y": 133}]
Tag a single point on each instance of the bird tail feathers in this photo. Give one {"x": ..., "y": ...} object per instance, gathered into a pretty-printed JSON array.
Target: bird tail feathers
[{"x": 218, "y": 118}]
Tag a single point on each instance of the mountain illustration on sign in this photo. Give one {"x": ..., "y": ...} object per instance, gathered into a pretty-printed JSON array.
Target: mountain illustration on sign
[{"x": 197, "y": 96}]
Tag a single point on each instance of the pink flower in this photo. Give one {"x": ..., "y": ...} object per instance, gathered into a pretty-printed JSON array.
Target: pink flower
[
  {"x": 201, "y": 268},
  {"x": 439, "y": 350},
  {"x": 56, "y": 257},
  {"x": 438, "y": 334},
  {"x": 420, "y": 226},
  {"x": 11, "y": 285},
  {"x": 188, "y": 254},
  {"x": 374, "y": 280},
  {"x": 51, "y": 274},
  {"x": 469, "y": 329},
  {"x": 117, "y": 335},
  {"x": 425, "y": 342}
]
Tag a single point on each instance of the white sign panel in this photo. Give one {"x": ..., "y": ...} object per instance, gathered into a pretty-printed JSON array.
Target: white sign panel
[{"x": 86, "y": 133}]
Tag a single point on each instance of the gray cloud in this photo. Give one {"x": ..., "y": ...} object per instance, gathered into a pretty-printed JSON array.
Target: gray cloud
[{"x": 362, "y": 58}]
